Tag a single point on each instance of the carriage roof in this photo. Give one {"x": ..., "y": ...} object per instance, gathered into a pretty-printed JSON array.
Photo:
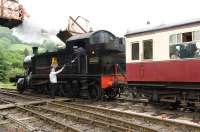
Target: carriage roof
[{"x": 163, "y": 27}]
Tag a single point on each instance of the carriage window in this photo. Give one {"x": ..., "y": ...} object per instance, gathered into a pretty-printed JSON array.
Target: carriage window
[
  {"x": 187, "y": 37},
  {"x": 135, "y": 51},
  {"x": 181, "y": 51},
  {"x": 179, "y": 38},
  {"x": 185, "y": 45},
  {"x": 148, "y": 49},
  {"x": 196, "y": 35},
  {"x": 173, "y": 39}
]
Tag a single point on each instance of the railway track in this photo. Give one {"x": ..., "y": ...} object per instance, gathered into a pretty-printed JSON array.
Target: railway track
[
  {"x": 158, "y": 124},
  {"x": 70, "y": 121},
  {"x": 180, "y": 113},
  {"x": 37, "y": 113},
  {"x": 13, "y": 98},
  {"x": 63, "y": 118},
  {"x": 12, "y": 112},
  {"x": 30, "y": 121},
  {"x": 23, "y": 114},
  {"x": 26, "y": 95}
]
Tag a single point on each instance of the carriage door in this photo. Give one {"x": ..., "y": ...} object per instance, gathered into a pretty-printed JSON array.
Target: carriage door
[
  {"x": 136, "y": 61},
  {"x": 147, "y": 55}
]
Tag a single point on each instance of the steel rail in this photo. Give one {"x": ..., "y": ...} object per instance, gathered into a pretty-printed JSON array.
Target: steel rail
[
  {"x": 14, "y": 105},
  {"x": 53, "y": 121},
  {"x": 109, "y": 119},
  {"x": 132, "y": 100},
  {"x": 5, "y": 101},
  {"x": 86, "y": 120},
  {"x": 17, "y": 95},
  {"x": 20, "y": 123},
  {"x": 29, "y": 96},
  {"x": 147, "y": 119},
  {"x": 10, "y": 90}
]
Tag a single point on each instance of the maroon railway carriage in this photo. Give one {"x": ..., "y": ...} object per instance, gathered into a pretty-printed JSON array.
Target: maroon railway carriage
[{"x": 163, "y": 63}]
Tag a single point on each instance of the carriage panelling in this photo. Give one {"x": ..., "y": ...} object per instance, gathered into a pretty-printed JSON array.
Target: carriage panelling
[
  {"x": 161, "y": 68},
  {"x": 165, "y": 71}
]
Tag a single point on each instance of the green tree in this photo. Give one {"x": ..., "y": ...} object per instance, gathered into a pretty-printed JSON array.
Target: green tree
[
  {"x": 3, "y": 67},
  {"x": 10, "y": 60},
  {"x": 5, "y": 42}
]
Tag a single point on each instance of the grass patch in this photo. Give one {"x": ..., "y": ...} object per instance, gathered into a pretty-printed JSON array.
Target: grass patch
[{"x": 7, "y": 85}]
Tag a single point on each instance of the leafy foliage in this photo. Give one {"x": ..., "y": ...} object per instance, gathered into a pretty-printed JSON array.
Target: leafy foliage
[
  {"x": 11, "y": 55},
  {"x": 12, "y": 52},
  {"x": 10, "y": 63},
  {"x": 3, "y": 66}
]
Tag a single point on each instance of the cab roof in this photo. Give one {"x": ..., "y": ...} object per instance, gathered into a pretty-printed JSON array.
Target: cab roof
[{"x": 89, "y": 35}]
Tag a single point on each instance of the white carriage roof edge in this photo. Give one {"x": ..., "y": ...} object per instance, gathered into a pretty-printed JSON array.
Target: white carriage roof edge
[{"x": 161, "y": 27}]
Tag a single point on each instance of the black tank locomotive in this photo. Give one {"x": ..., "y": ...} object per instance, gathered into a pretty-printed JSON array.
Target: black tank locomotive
[{"x": 95, "y": 66}]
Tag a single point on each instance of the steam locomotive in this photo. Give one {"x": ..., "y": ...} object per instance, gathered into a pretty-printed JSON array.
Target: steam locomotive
[{"x": 95, "y": 66}]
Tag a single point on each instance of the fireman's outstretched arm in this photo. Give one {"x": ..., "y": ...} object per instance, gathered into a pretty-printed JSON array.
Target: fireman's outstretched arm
[{"x": 59, "y": 71}]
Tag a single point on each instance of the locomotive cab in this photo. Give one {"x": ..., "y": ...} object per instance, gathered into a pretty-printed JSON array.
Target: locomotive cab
[{"x": 101, "y": 50}]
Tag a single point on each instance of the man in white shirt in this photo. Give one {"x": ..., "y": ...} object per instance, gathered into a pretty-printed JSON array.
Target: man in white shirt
[{"x": 53, "y": 80}]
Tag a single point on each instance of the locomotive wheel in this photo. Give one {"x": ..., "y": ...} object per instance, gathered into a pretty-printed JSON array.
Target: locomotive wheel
[
  {"x": 61, "y": 91},
  {"x": 95, "y": 92},
  {"x": 111, "y": 93},
  {"x": 68, "y": 90},
  {"x": 46, "y": 90},
  {"x": 75, "y": 88},
  {"x": 34, "y": 90},
  {"x": 21, "y": 85},
  {"x": 40, "y": 89}
]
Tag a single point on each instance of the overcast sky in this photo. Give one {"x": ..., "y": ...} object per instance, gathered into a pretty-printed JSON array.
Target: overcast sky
[{"x": 114, "y": 15}]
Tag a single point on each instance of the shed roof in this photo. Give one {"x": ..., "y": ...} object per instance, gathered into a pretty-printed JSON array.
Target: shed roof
[{"x": 162, "y": 27}]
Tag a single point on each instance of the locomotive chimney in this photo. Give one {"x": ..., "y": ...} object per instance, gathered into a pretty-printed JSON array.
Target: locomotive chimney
[{"x": 35, "y": 50}]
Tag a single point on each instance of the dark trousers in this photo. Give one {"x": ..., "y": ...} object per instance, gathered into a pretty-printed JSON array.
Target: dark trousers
[{"x": 52, "y": 90}]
